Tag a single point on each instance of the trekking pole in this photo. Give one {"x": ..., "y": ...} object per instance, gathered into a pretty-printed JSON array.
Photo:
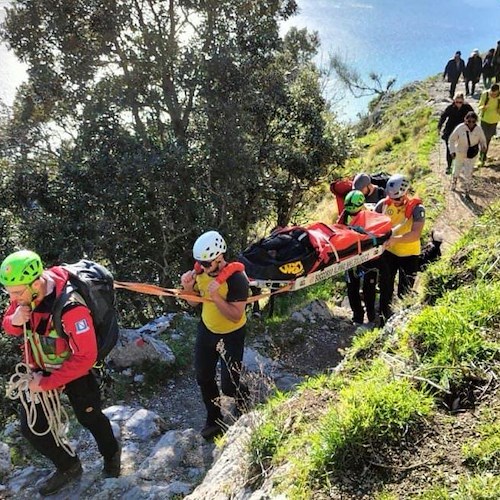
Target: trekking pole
[
  {"x": 439, "y": 156},
  {"x": 453, "y": 183}
]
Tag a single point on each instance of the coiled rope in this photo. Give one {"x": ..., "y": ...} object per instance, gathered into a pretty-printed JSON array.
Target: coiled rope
[{"x": 48, "y": 401}]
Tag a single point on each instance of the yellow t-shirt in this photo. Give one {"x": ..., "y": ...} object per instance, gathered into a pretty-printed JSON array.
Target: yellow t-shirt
[
  {"x": 491, "y": 113},
  {"x": 232, "y": 290},
  {"x": 397, "y": 216}
]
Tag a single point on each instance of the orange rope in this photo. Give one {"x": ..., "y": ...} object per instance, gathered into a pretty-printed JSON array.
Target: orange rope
[{"x": 183, "y": 294}]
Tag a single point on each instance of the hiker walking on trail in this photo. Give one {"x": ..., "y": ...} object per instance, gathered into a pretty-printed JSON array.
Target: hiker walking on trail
[
  {"x": 372, "y": 193},
  {"x": 454, "y": 68},
  {"x": 489, "y": 111},
  {"x": 472, "y": 72},
  {"x": 60, "y": 364},
  {"x": 465, "y": 143},
  {"x": 363, "y": 276},
  {"x": 221, "y": 331},
  {"x": 402, "y": 253},
  {"x": 452, "y": 116},
  {"x": 496, "y": 62},
  {"x": 488, "y": 69}
]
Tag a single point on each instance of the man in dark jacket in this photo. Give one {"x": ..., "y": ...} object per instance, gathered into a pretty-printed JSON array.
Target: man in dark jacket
[
  {"x": 473, "y": 71},
  {"x": 454, "y": 68},
  {"x": 451, "y": 117},
  {"x": 372, "y": 193}
]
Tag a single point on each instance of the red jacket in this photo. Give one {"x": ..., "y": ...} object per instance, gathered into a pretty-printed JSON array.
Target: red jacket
[{"x": 78, "y": 326}]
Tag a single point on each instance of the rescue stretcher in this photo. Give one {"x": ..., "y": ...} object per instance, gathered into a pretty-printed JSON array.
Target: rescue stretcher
[
  {"x": 317, "y": 276},
  {"x": 297, "y": 257}
]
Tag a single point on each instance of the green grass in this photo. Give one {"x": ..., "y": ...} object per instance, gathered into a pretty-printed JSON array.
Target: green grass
[
  {"x": 477, "y": 487},
  {"x": 368, "y": 407},
  {"x": 328, "y": 290},
  {"x": 357, "y": 417},
  {"x": 476, "y": 256},
  {"x": 483, "y": 453},
  {"x": 374, "y": 410},
  {"x": 452, "y": 339},
  {"x": 366, "y": 343}
]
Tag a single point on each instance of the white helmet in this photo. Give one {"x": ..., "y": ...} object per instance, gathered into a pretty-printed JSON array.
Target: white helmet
[
  {"x": 209, "y": 246},
  {"x": 397, "y": 186}
]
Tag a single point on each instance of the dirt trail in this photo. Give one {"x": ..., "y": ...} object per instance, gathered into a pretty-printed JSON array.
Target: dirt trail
[
  {"x": 317, "y": 347},
  {"x": 460, "y": 211}
]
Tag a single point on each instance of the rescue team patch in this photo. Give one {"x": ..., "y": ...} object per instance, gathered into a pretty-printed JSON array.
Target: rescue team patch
[{"x": 82, "y": 326}]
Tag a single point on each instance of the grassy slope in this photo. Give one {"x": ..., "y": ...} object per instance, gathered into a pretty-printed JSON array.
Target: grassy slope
[{"x": 411, "y": 403}]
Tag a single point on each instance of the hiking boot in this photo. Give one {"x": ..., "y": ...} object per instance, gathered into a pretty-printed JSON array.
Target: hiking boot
[
  {"x": 211, "y": 431},
  {"x": 448, "y": 170},
  {"x": 58, "y": 479},
  {"x": 112, "y": 466}
]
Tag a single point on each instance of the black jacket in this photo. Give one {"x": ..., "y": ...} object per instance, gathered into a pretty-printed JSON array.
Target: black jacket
[
  {"x": 488, "y": 69},
  {"x": 474, "y": 68},
  {"x": 452, "y": 71},
  {"x": 377, "y": 195},
  {"x": 453, "y": 116}
]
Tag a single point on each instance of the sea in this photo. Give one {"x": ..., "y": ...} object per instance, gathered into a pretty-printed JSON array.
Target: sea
[{"x": 403, "y": 39}]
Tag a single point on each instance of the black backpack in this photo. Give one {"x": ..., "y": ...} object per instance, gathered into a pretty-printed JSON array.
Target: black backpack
[
  {"x": 380, "y": 179},
  {"x": 91, "y": 284}
]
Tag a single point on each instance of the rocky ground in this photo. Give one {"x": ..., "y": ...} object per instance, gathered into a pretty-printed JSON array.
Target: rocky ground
[{"x": 305, "y": 348}]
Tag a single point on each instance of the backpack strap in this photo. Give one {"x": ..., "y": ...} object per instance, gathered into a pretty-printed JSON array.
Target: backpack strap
[
  {"x": 226, "y": 273},
  {"x": 68, "y": 298}
]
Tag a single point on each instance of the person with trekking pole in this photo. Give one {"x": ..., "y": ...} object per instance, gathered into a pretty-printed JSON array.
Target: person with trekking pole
[
  {"x": 55, "y": 363},
  {"x": 452, "y": 116}
]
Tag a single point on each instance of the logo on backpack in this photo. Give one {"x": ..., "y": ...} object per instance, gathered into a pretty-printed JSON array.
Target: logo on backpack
[{"x": 90, "y": 284}]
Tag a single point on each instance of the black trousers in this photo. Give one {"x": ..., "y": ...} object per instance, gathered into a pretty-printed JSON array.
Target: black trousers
[
  {"x": 353, "y": 280},
  {"x": 453, "y": 86},
  {"x": 407, "y": 268},
  {"x": 209, "y": 349},
  {"x": 85, "y": 399},
  {"x": 473, "y": 89},
  {"x": 449, "y": 158},
  {"x": 374, "y": 267}
]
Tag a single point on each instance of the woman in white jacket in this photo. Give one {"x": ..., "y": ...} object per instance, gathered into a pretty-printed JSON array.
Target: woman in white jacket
[{"x": 465, "y": 143}]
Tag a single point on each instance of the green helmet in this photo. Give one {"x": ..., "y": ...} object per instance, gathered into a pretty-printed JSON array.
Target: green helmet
[
  {"x": 354, "y": 202},
  {"x": 21, "y": 268}
]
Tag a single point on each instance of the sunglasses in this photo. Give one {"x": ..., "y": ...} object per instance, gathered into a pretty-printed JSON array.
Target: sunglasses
[
  {"x": 471, "y": 121},
  {"x": 205, "y": 263},
  {"x": 397, "y": 199},
  {"x": 459, "y": 102}
]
